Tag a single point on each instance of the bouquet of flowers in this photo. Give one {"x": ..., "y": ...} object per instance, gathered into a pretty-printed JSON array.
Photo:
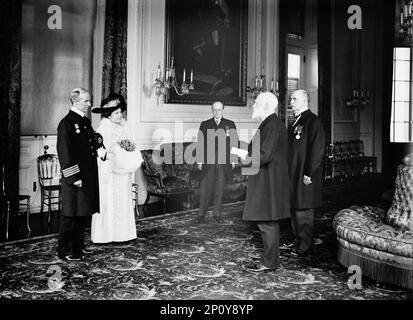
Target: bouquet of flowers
[{"x": 127, "y": 145}]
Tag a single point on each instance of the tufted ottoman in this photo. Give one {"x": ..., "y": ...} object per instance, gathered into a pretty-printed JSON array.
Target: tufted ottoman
[{"x": 380, "y": 242}]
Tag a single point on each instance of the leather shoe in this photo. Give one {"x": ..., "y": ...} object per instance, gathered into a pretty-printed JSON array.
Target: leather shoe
[
  {"x": 72, "y": 258},
  {"x": 299, "y": 253},
  {"x": 288, "y": 245},
  {"x": 200, "y": 220},
  {"x": 219, "y": 220},
  {"x": 257, "y": 268}
]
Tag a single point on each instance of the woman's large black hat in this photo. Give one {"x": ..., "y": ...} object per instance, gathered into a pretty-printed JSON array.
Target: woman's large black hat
[{"x": 105, "y": 107}]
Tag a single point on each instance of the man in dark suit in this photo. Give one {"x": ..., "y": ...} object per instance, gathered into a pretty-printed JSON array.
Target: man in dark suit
[
  {"x": 306, "y": 144},
  {"x": 80, "y": 189},
  {"x": 267, "y": 199},
  {"x": 216, "y": 137}
]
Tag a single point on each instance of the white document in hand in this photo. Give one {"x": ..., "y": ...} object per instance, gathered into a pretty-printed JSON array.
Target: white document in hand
[{"x": 239, "y": 152}]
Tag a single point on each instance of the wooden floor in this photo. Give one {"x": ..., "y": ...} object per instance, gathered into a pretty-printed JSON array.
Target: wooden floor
[{"x": 365, "y": 190}]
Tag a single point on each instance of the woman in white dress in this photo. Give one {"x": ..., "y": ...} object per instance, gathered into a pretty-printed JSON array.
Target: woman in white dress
[{"x": 116, "y": 220}]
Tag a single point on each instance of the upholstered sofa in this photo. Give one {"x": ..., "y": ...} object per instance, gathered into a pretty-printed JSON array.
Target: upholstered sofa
[
  {"x": 380, "y": 241},
  {"x": 171, "y": 177}
]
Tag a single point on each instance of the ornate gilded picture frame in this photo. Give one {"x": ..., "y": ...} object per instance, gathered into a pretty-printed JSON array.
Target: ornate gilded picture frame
[{"x": 210, "y": 38}]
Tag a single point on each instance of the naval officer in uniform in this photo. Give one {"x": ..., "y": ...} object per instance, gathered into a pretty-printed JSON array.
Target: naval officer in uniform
[{"x": 77, "y": 154}]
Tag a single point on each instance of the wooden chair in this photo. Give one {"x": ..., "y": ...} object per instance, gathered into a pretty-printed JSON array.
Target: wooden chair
[
  {"x": 345, "y": 159},
  {"x": 139, "y": 209},
  {"x": 49, "y": 172},
  {"x": 356, "y": 162},
  {"x": 8, "y": 200},
  {"x": 368, "y": 163},
  {"x": 339, "y": 165},
  {"x": 328, "y": 163}
]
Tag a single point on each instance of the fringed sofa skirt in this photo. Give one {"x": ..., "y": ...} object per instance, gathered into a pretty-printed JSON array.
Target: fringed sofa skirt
[{"x": 383, "y": 252}]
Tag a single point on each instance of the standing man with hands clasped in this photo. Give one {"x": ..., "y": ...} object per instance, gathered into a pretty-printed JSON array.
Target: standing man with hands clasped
[
  {"x": 216, "y": 137},
  {"x": 306, "y": 144},
  {"x": 80, "y": 189}
]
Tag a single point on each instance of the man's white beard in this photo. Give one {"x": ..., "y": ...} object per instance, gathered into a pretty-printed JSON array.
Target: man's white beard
[{"x": 256, "y": 114}]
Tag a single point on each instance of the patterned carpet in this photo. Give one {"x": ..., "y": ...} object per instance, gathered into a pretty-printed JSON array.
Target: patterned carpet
[{"x": 175, "y": 259}]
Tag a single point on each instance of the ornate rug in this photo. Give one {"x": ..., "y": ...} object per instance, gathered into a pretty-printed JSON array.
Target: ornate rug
[{"x": 174, "y": 258}]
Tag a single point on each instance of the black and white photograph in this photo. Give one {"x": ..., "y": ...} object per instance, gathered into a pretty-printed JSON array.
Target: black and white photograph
[{"x": 215, "y": 158}]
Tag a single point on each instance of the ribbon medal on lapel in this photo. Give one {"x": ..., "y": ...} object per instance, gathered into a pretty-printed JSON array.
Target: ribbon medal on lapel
[
  {"x": 297, "y": 132},
  {"x": 77, "y": 128}
]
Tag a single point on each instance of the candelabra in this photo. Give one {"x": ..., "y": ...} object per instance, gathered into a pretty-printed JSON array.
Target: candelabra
[
  {"x": 260, "y": 86},
  {"x": 163, "y": 83},
  {"x": 356, "y": 101},
  {"x": 406, "y": 18}
]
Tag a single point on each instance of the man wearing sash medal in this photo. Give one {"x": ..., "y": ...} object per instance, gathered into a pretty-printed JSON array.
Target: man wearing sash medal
[{"x": 306, "y": 142}]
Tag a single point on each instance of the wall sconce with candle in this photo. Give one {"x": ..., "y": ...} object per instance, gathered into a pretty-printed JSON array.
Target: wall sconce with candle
[
  {"x": 406, "y": 18},
  {"x": 260, "y": 85},
  {"x": 357, "y": 100},
  {"x": 163, "y": 83}
]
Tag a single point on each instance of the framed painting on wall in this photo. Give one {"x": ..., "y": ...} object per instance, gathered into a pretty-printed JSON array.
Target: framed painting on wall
[{"x": 210, "y": 38}]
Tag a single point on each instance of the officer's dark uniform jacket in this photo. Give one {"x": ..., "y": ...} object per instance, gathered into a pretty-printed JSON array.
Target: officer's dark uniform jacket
[{"x": 77, "y": 156}]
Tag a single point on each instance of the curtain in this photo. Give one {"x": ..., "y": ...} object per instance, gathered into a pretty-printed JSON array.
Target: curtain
[
  {"x": 10, "y": 90},
  {"x": 114, "y": 52},
  {"x": 324, "y": 66},
  {"x": 282, "y": 61},
  {"x": 114, "y": 69}
]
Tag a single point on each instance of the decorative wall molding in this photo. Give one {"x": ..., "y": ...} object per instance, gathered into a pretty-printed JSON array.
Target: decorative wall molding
[{"x": 146, "y": 50}]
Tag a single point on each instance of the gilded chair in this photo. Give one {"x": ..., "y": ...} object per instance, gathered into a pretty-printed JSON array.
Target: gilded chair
[{"x": 49, "y": 172}]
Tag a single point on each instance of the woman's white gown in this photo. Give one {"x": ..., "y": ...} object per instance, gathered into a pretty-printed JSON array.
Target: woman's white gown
[{"x": 116, "y": 220}]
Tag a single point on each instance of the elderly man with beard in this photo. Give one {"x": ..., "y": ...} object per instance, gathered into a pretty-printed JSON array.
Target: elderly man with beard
[{"x": 267, "y": 199}]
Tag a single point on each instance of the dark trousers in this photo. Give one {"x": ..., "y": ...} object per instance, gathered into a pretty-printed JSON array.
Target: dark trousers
[
  {"x": 212, "y": 185},
  {"x": 270, "y": 234},
  {"x": 302, "y": 224},
  {"x": 72, "y": 235}
]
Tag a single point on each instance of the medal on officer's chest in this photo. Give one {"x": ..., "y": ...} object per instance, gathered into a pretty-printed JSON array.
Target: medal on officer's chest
[
  {"x": 77, "y": 128},
  {"x": 297, "y": 132}
]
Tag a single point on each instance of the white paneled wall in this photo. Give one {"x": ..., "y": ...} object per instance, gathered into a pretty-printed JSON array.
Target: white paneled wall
[{"x": 152, "y": 121}]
